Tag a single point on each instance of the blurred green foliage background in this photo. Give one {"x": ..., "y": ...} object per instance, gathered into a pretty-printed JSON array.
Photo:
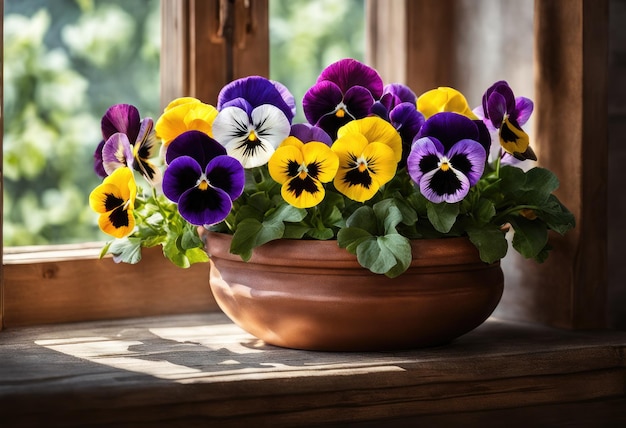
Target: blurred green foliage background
[{"x": 67, "y": 61}]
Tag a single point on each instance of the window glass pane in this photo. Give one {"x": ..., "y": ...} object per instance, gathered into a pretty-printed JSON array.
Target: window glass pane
[
  {"x": 66, "y": 62},
  {"x": 306, "y": 36}
]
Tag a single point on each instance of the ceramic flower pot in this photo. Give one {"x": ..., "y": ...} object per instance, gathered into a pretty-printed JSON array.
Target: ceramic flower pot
[{"x": 314, "y": 295}]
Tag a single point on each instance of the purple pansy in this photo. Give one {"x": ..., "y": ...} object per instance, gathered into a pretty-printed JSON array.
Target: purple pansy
[
  {"x": 345, "y": 90},
  {"x": 127, "y": 141},
  {"x": 446, "y": 158},
  {"x": 201, "y": 178},
  {"x": 503, "y": 111},
  {"x": 307, "y": 133}
]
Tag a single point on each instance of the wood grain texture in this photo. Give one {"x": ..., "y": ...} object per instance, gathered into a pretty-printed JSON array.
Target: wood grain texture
[
  {"x": 82, "y": 287},
  {"x": 201, "y": 369},
  {"x": 571, "y": 39}
]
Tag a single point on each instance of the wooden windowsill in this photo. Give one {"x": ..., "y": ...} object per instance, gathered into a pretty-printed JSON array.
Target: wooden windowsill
[{"x": 189, "y": 370}]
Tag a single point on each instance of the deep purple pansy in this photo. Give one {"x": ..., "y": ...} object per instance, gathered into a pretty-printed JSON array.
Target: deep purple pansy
[
  {"x": 446, "y": 159},
  {"x": 201, "y": 178},
  {"x": 345, "y": 90},
  {"x": 506, "y": 113}
]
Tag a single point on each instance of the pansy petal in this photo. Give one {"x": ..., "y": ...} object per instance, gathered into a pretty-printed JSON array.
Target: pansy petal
[
  {"x": 184, "y": 117},
  {"x": 196, "y": 144},
  {"x": 118, "y": 223},
  {"x": 358, "y": 101},
  {"x": 349, "y": 72},
  {"x": 523, "y": 109},
  {"x": 424, "y": 157},
  {"x": 403, "y": 92},
  {"x": 288, "y": 97},
  {"x": 181, "y": 175},
  {"x": 122, "y": 118},
  {"x": 407, "y": 121},
  {"x": 468, "y": 157},
  {"x": 257, "y": 91},
  {"x": 285, "y": 162},
  {"x": 306, "y": 132},
  {"x": 204, "y": 206},
  {"x": 226, "y": 173},
  {"x": 449, "y": 128},
  {"x": 320, "y": 100},
  {"x": 303, "y": 192},
  {"x": 321, "y": 162},
  {"x": 444, "y": 99},
  {"x": 98, "y": 167},
  {"x": 116, "y": 153},
  {"x": 496, "y": 108}
]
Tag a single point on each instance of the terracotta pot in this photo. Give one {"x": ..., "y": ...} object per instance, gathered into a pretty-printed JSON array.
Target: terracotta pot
[{"x": 314, "y": 295}]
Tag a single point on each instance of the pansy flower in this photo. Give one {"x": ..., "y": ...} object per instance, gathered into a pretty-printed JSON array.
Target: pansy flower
[
  {"x": 254, "y": 118},
  {"x": 398, "y": 107},
  {"x": 344, "y": 91},
  {"x": 201, "y": 178},
  {"x": 128, "y": 141},
  {"x": 301, "y": 169},
  {"x": 446, "y": 158},
  {"x": 184, "y": 114},
  {"x": 507, "y": 114},
  {"x": 369, "y": 150},
  {"x": 114, "y": 200}
]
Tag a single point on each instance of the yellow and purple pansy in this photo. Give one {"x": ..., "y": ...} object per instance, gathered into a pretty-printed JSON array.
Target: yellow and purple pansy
[
  {"x": 447, "y": 159},
  {"x": 201, "y": 178},
  {"x": 114, "y": 200},
  {"x": 254, "y": 117},
  {"x": 506, "y": 113},
  {"x": 127, "y": 141},
  {"x": 344, "y": 91},
  {"x": 302, "y": 169},
  {"x": 369, "y": 150}
]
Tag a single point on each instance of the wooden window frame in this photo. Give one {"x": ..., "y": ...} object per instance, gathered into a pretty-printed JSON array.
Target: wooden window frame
[{"x": 208, "y": 43}]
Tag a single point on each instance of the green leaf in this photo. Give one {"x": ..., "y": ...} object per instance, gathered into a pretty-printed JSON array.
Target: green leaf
[
  {"x": 484, "y": 211},
  {"x": 126, "y": 250},
  {"x": 490, "y": 241},
  {"x": 364, "y": 218},
  {"x": 530, "y": 236},
  {"x": 389, "y": 254},
  {"x": 350, "y": 238},
  {"x": 512, "y": 179},
  {"x": 442, "y": 216},
  {"x": 556, "y": 215},
  {"x": 244, "y": 238},
  {"x": 540, "y": 183}
]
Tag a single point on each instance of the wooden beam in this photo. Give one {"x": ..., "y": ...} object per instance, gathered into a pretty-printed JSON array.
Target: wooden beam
[
  {"x": 75, "y": 285},
  {"x": 571, "y": 48}
]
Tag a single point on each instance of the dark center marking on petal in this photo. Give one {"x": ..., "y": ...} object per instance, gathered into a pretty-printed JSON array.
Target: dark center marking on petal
[
  {"x": 428, "y": 163},
  {"x": 314, "y": 169},
  {"x": 293, "y": 168},
  {"x": 299, "y": 185},
  {"x": 507, "y": 134},
  {"x": 119, "y": 217},
  {"x": 111, "y": 202},
  {"x": 356, "y": 177},
  {"x": 445, "y": 182},
  {"x": 461, "y": 163},
  {"x": 251, "y": 147}
]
